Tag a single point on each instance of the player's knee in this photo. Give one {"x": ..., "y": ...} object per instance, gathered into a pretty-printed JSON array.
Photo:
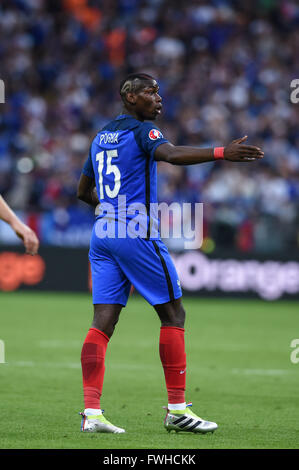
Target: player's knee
[
  {"x": 172, "y": 314},
  {"x": 105, "y": 326},
  {"x": 179, "y": 318},
  {"x": 182, "y": 316},
  {"x": 105, "y": 320},
  {"x": 107, "y": 329}
]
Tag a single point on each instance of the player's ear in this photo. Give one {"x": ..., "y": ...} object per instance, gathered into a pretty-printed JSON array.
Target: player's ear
[{"x": 131, "y": 98}]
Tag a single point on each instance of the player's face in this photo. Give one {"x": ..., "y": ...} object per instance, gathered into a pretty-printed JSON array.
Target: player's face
[{"x": 149, "y": 102}]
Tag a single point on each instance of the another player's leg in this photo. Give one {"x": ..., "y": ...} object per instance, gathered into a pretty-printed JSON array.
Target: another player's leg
[
  {"x": 179, "y": 417},
  {"x": 93, "y": 367}
]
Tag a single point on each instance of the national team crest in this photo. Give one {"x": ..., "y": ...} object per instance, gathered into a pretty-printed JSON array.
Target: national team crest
[{"x": 154, "y": 134}]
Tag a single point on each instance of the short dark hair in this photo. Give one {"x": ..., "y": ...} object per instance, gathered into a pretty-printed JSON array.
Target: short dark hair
[{"x": 134, "y": 82}]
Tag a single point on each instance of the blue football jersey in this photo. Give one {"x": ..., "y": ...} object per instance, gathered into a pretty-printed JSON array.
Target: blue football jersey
[{"x": 121, "y": 160}]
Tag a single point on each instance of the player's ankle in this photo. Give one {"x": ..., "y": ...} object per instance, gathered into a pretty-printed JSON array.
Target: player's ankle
[
  {"x": 177, "y": 406},
  {"x": 92, "y": 412}
]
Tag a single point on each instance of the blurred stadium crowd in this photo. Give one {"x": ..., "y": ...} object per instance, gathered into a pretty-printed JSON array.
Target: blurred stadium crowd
[{"x": 224, "y": 69}]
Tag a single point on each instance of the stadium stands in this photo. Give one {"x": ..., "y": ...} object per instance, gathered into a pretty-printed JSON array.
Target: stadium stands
[{"x": 224, "y": 69}]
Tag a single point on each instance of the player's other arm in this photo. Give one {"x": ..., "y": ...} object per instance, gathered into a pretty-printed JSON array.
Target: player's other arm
[
  {"x": 181, "y": 155},
  {"x": 28, "y": 236},
  {"x": 87, "y": 190}
]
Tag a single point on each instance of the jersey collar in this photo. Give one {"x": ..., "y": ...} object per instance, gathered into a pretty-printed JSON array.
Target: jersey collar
[{"x": 123, "y": 116}]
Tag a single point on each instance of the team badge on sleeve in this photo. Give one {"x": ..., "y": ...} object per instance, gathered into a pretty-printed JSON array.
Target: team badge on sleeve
[{"x": 154, "y": 134}]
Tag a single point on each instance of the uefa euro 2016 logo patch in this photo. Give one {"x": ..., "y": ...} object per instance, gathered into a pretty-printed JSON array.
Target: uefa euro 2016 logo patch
[{"x": 154, "y": 134}]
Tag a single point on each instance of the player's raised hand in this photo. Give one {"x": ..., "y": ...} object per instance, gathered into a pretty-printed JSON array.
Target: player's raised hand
[
  {"x": 235, "y": 152},
  {"x": 28, "y": 236}
]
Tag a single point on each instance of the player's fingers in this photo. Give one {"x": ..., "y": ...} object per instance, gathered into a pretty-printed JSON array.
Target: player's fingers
[
  {"x": 250, "y": 148},
  {"x": 242, "y": 157},
  {"x": 31, "y": 251},
  {"x": 31, "y": 243},
  {"x": 251, "y": 154},
  {"x": 249, "y": 157},
  {"x": 240, "y": 140},
  {"x": 254, "y": 155}
]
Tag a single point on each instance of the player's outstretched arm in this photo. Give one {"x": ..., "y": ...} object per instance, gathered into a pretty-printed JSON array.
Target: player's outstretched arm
[
  {"x": 87, "y": 190},
  {"x": 181, "y": 155},
  {"x": 28, "y": 236}
]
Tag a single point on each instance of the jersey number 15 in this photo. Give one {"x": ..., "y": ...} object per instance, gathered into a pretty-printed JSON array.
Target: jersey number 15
[{"x": 110, "y": 169}]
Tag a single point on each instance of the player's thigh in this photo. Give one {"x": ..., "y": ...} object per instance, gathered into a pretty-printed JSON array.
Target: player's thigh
[
  {"x": 149, "y": 267},
  {"x": 105, "y": 317},
  {"x": 110, "y": 285}
]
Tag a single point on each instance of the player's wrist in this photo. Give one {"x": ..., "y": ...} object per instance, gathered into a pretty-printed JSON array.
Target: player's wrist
[
  {"x": 218, "y": 153},
  {"x": 15, "y": 223}
]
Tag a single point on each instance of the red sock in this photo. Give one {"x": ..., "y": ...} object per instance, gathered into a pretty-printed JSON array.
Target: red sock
[
  {"x": 93, "y": 366},
  {"x": 173, "y": 358}
]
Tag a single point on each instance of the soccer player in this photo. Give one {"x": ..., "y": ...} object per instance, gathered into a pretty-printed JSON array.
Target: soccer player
[
  {"x": 28, "y": 236},
  {"x": 122, "y": 163}
]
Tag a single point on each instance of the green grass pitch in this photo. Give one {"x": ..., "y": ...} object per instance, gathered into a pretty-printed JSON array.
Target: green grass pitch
[{"x": 239, "y": 374}]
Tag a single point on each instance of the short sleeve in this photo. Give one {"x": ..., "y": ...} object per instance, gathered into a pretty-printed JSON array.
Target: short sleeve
[
  {"x": 149, "y": 137},
  {"x": 88, "y": 168}
]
